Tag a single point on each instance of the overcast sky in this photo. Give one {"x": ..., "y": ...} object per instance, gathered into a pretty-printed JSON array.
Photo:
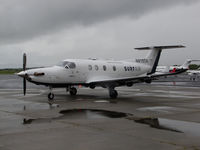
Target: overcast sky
[{"x": 53, "y": 30}]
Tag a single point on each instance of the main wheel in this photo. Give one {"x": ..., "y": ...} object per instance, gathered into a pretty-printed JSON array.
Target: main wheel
[
  {"x": 73, "y": 91},
  {"x": 113, "y": 94},
  {"x": 92, "y": 86},
  {"x": 50, "y": 96}
]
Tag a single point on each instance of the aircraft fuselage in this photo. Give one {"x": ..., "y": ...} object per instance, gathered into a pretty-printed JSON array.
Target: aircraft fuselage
[{"x": 85, "y": 71}]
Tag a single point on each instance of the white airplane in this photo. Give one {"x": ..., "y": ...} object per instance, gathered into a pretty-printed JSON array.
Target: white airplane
[
  {"x": 175, "y": 68},
  {"x": 194, "y": 72},
  {"x": 93, "y": 72}
]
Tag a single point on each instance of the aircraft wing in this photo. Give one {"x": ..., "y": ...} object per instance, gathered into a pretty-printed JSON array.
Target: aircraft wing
[
  {"x": 155, "y": 75},
  {"x": 137, "y": 79},
  {"x": 108, "y": 79}
]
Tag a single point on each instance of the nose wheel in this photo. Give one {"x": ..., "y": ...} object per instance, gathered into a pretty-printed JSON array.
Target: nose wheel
[
  {"x": 50, "y": 96},
  {"x": 72, "y": 91}
]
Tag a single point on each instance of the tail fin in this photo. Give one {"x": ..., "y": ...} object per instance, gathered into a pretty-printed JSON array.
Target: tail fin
[
  {"x": 187, "y": 63},
  {"x": 154, "y": 55}
]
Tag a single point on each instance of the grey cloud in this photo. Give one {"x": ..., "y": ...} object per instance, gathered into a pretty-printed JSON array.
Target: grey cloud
[{"x": 23, "y": 20}]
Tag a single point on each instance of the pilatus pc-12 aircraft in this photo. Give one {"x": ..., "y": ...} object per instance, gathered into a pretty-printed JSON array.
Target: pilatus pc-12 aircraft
[{"x": 93, "y": 72}]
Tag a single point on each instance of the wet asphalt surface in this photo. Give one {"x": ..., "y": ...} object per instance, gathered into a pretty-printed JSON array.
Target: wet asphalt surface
[{"x": 163, "y": 115}]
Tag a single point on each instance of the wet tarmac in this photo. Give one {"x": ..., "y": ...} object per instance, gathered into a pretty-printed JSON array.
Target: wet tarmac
[{"x": 161, "y": 115}]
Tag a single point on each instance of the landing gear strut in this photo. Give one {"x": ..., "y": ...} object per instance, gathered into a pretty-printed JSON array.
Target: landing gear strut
[
  {"x": 50, "y": 97},
  {"x": 73, "y": 91},
  {"x": 113, "y": 93}
]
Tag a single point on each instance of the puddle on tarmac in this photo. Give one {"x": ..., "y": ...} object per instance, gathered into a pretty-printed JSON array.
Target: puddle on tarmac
[
  {"x": 158, "y": 123},
  {"x": 191, "y": 128},
  {"x": 102, "y": 101},
  {"x": 162, "y": 109},
  {"x": 80, "y": 114},
  {"x": 91, "y": 114},
  {"x": 155, "y": 123}
]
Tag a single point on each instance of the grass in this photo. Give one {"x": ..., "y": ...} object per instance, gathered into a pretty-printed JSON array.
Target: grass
[{"x": 9, "y": 71}]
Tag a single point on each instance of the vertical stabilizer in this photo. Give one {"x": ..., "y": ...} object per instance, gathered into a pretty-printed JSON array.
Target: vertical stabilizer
[
  {"x": 187, "y": 63},
  {"x": 153, "y": 56}
]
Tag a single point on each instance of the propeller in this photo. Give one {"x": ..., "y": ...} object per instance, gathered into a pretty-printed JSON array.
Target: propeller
[
  {"x": 24, "y": 62},
  {"x": 24, "y": 69},
  {"x": 24, "y": 85}
]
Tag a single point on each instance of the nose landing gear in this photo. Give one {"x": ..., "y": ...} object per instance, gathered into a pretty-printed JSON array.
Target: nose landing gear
[
  {"x": 50, "y": 96},
  {"x": 72, "y": 91}
]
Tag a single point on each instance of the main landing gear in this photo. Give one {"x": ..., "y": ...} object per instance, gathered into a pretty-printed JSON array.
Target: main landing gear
[
  {"x": 113, "y": 93},
  {"x": 73, "y": 91}
]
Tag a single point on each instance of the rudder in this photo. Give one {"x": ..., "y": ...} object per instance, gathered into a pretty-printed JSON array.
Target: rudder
[{"x": 153, "y": 56}]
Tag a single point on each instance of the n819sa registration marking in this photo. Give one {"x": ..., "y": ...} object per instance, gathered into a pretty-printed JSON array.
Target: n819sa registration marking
[{"x": 142, "y": 60}]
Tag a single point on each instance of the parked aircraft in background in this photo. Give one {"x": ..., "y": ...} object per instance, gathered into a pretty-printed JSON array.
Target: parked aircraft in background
[
  {"x": 175, "y": 68},
  {"x": 93, "y": 72},
  {"x": 194, "y": 72}
]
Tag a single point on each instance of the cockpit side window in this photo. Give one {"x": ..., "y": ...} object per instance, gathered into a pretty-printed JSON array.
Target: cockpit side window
[
  {"x": 67, "y": 64},
  {"x": 71, "y": 65}
]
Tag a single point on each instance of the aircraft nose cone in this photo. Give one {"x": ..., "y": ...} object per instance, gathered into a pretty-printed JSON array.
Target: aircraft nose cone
[{"x": 21, "y": 74}]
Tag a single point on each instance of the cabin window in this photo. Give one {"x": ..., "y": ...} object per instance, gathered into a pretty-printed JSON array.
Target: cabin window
[
  {"x": 114, "y": 68},
  {"x": 89, "y": 67},
  {"x": 104, "y": 67},
  {"x": 96, "y": 67}
]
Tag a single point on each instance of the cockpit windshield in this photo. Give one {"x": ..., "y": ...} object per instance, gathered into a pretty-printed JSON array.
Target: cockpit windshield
[{"x": 67, "y": 64}]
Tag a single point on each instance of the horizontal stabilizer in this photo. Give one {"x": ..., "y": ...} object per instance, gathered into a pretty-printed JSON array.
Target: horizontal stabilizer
[
  {"x": 160, "y": 47},
  {"x": 154, "y": 55}
]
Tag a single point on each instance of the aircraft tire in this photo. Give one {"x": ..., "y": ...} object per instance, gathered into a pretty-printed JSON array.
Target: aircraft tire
[
  {"x": 73, "y": 91},
  {"x": 113, "y": 94},
  {"x": 92, "y": 86},
  {"x": 50, "y": 96}
]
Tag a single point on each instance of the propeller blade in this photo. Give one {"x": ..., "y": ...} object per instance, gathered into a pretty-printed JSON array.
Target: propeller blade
[
  {"x": 24, "y": 62},
  {"x": 24, "y": 69},
  {"x": 24, "y": 86}
]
